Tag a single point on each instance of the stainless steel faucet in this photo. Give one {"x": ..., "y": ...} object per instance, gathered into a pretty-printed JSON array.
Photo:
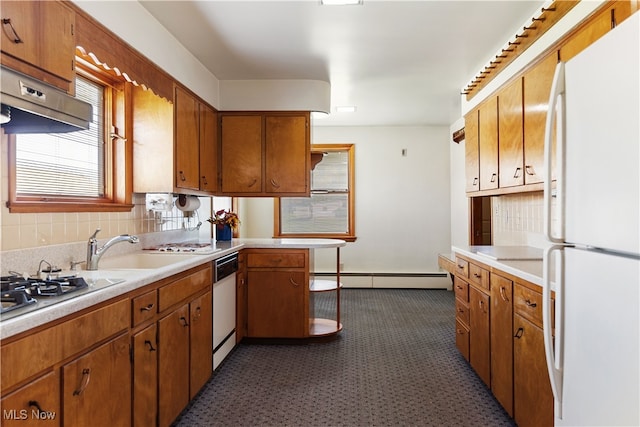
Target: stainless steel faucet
[{"x": 94, "y": 254}]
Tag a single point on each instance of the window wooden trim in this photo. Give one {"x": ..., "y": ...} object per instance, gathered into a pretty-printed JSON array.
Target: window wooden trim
[
  {"x": 349, "y": 237},
  {"x": 118, "y": 168}
]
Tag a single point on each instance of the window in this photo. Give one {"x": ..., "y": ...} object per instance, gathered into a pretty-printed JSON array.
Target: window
[
  {"x": 329, "y": 211},
  {"x": 78, "y": 171}
]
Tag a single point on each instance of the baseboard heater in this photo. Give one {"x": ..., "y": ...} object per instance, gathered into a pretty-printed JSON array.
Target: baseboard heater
[{"x": 435, "y": 280}]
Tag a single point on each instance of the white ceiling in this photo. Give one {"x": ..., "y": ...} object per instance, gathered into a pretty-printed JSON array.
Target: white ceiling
[{"x": 399, "y": 62}]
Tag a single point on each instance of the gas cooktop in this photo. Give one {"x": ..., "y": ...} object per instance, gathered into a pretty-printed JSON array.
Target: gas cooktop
[{"x": 183, "y": 248}]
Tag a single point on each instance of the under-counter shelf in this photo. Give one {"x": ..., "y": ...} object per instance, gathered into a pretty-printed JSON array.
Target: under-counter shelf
[
  {"x": 319, "y": 326},
  {"x": 321, "y": 285}
]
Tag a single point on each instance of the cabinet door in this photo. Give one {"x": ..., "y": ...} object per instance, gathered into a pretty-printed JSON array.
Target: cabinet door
[
  {"x": 97, "y": 386},
  {"x": 58, "y": 51},
  {"x": 241, "y": 151},
  {"x": 287, "y": 154},
  {"x": 462, "y": 339},
  {"x": 502, "y": 341},
  {"x": 41, "y": 396},
  {"x": 510, "y": 147},
  {"x": 187, "y": 147},
  {"x": 208, "y": 149},
  {"x": 173, "y": 365},
  {"x": 241, "y": 305},
  {"x": 276, "y": 304},
  {"x": 537, "y": 87},
  {"x": 488, "y": 123},
  {"x": 472, "y": 151},
  {"x": 479, "y": 336},
  {"x": 596, "y": 28},
  {"x": 532, "y": 395},
  {"x": 145, "y": 377},
  {"x": 201, "y": 337},
  {"x": 20, "y": 34}
]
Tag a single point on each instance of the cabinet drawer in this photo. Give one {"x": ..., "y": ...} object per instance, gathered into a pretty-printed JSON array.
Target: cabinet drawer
[
  {"x": 479, "y": 276},
  {"x": 144, "y": 307},
  {"x": 462, "y": 339},
  {"x": 461, "y": 289},
  {"x": 462, "y": 268},
  {"x": 528, "y": 303},
  {"x": 462, "y": 312},
  {"x": 284, "y": 260},
  {"x": 183, "y": 288}
]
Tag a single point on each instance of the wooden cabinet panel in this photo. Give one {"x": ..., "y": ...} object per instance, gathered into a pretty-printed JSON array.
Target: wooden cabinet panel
[
  {"x": 287, "y": 154},
  {"x": 201, "y": 340},
  {"x": 528, "y": 304},
  {"x": 277, "y": 304},
  {"x": 144, "y": 307},
  {"x": 462, "y": 311},
  {"x": 241, "y": 146},
  {"x": 241, "y": 299},
  {"x": 461, "y": 289},
  {"x": 472, "y": 151},
  {"x": 537, "y": 87},
  {"x": 41, "y": 395},
  {"x": 511, "y": 148},
  {"x": 57, "y": 55},
  {"x": 173, "y": 365},
  {"x": 488, "y": 125},
  {"x": 479, "y": 276},
  {"x": 145, "y": 377},
  {"x": 601, "y": 24},
  {"x": 278, "y": 259},
  {"x": 208, "y": 149},
  {"x": 479, "y": 327},
  {"x": 462, "y": 339},
  {"x": 24, "y": 19},
  {"x": 501, "y": 321},
  {"x": 184, "y": 287},
  {"x": 186, "y": 140},
  {"x": 97, "y": 386},
  {"x": 462, "y": 268},
  {"x": 533, "y": 398}
]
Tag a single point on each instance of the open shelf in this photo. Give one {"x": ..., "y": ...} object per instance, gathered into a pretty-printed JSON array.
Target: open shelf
[
  {"x": 319, "y": 326},
  {"x": 321, "y": 285}
]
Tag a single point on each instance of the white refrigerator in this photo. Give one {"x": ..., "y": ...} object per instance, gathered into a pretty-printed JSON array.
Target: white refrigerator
[{"x": 592, "y": 222}]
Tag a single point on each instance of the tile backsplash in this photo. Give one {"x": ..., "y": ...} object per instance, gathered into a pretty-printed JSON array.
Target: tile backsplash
[{"x": 518, "y": 219}]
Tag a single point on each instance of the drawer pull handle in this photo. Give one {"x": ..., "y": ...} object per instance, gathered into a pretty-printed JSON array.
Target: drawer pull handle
[
  {"x": 519, "y": 333},
  {"x": 475, "y": 181},
  {"x": 182, "y": 177},
  {"x": 86, "y": 376},
  {"x": 503, "y": 294},
  {"x": 293, "y": 282},
  {"x": 517, "y": 173},
  {"x": 460, "y": 266},
  {"x": 253, "y": 183},
  {"x": 36, "y": 404},
  {"x": 16, "y": 37},
  {"x": 476, "y": 275},
  {"x": 197, "y": 314},
  {"x": 493, "y": 177},
  {"x": 184, "y": 321},
  {"x": 274, "y": 183},
  {"x": 529, "y": 170},
  {"x": 204, "y": 180},
  {"x": 531, "y": 304},
  {"x": 151, "y": 347},
  {"x": 147, "y": 308}
]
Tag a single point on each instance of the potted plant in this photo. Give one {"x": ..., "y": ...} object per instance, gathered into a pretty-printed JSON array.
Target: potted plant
[{"x": 225, "y": 222}]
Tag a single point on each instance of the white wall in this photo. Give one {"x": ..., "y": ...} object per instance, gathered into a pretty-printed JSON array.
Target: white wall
[{"x": 402, "y": 204}]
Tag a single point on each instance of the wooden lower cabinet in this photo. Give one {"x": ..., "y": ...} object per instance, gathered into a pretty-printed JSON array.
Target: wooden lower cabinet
[
  {"x": 97, "y": 386},
  {"x": 533, "y": 398},
  {"x": 479, "y": 336},
  {"x": 502, "y": 341},
  {"x": 35, "y": 401},
  {"x": 145, "y": 377},
  {"x": 201, "y": 342}
]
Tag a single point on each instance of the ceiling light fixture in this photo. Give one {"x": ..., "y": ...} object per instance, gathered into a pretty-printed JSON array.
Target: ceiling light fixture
[
  {"x": 346, "y": 109},
  {"x": 340, "y": 2}
]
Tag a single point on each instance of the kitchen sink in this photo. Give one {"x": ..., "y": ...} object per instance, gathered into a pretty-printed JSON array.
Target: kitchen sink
[{"x": 142, "y": 261}]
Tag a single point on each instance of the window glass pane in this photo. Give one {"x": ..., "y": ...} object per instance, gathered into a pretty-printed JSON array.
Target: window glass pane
[
  {"x": 332, "y": 173},
  {"x": 65, "y": 164},
  {"x": 320, "y": 213}
]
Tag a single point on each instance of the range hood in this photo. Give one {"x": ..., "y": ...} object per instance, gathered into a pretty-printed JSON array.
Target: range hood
[{"x": 31, "y": 106}]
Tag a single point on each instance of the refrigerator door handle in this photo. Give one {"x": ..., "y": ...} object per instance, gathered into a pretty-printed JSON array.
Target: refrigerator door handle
[
  {"x": 553, "y": 353},
  {"x": 556, "y": 99}
]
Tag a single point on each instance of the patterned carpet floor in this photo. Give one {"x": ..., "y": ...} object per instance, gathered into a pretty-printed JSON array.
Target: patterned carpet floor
[{"x": 394, "y": 364}]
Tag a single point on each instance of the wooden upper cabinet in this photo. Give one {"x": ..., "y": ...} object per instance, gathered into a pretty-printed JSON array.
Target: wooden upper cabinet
[
  {"x": 241, "y": 153},
  {"x": 511, "y": 149},
  {"x": 208, "y": 149},
  {"x": 265, "y": 153},
  {"x": 186, "y": 141},
  {"x": 488, "y": 125},
  {"x": 38, "y": 39},
  {"x": 602, "y": 23},
  {"x": 537, "y": 87},
  {"x": 287, "y": 154},
  {"x": 472, "y": 151}
]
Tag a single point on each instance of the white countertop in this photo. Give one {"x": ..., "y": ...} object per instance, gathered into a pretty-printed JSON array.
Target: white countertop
[
  {"x": 528, "y": 269},
  {"x": 136, "y": 278}
]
